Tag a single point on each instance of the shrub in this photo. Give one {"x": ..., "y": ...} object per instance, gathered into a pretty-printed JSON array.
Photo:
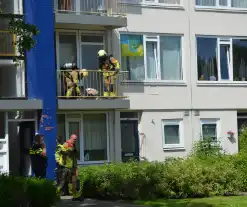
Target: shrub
[
  {"x": 175, "y": 178},
  {"x": 19, "y": 191}
]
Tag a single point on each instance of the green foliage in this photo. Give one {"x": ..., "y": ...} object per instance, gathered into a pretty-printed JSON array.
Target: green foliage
[
  {"x": 179, "y": 178},
  {"x": 25, "y": 33},
  {"x": 207, "y": 147},
  {"x": 18, "y": 191}
]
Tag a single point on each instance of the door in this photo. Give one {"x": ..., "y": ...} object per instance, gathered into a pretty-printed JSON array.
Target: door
[
  {"x": 129, "y": 140},
  {"x": 4, "y": 144},
  {"x": 74, "y": 127},
  {"x": 27, "y": 132}
]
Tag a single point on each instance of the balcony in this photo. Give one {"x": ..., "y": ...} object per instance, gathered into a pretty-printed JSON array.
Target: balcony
[
  {"x": 89, "y": 92},
  {"x": 90, "y": 14}
]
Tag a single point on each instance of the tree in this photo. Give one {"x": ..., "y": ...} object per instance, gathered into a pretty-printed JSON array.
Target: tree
[{"x": 25, "y": 34}]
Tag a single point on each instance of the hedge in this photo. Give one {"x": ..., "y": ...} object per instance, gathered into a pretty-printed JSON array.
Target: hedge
[
  {"x": 207, "y": 171},
  {"x": 178, "y": 178},
  {"x": 22, "y": 192}
]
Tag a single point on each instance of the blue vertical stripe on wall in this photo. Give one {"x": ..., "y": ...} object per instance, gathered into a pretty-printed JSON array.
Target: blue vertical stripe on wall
[{"x": 41, "y": 74}]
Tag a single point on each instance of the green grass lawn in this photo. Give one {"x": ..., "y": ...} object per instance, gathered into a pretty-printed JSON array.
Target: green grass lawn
[{"x": 238, "y": 201}]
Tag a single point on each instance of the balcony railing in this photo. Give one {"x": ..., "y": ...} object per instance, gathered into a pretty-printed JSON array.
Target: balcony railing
[
  {"x": 90, "y": 85},
  {"x": 91, "y": 7}
]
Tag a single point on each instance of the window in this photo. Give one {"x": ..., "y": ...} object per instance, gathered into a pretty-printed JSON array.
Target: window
[
  {"x": 152, "y": 58},
  {"x": 11, "y": 6},
  {"x": 210, "y": 129},
  {"x": 95, "y": 137},
  {"x": 92, "y": 132},
  {"x": 67, "y": 48},
  {"x": 153, "y": 2},
  {"x": 222, "y": 3},
  {"x": 221, "y": 59},
  {"x": 172, "y": 134}
]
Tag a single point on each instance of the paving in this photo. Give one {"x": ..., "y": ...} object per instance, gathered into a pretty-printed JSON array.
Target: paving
[{"x": 66, "y": 202}]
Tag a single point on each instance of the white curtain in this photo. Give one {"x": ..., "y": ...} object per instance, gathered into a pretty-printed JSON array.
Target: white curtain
[
  {"x": 135, "y": 66},
  {"x": 67, "y": 48},
  {"x": 170, "y": 58},
  {"x": 94, "y": 132},
  {"x": 239, "y": 3},
  {"x": 151, "y": 55},
  {"x": 206, "y": 2}
]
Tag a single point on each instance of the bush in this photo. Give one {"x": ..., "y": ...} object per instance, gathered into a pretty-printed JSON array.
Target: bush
[
  {"x": 19, "y": 191},
  {"x": 176, "y": 178}
]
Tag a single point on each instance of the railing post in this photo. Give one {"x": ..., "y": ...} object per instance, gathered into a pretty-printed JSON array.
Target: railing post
[{"x": 78, "y": 6}]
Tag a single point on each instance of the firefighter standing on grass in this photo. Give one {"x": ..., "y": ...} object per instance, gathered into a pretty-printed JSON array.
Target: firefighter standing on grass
[
  {"x": 110, "y": 67},
  {"x": 68, "y": 167}
]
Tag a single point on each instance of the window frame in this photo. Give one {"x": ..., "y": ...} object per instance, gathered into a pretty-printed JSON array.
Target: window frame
[
  {"x": 156, "y": 3},
  {"x": 220, "y": 41},
  {"x": 167, "y": 122},
  {"x": 215, "y": 121},
  {"x": 218, "y": 6},
  {"x": 108, "y": 131},
  {"x": 78, "y": 34},
  {"x": 147, "y": 37}
]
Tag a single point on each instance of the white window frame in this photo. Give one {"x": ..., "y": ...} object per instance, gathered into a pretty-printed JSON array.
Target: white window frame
[
  {"x": 215, "y": 121},
  {"x": 178, "y": 122},
  {"x": 156, "y": 2},
  {"x": 108, "y": 130},
  {"x": 78, "y": 34},
  {"x": 218, "y": 6},
  {"x": 156, "y": 38},
  {"x": 221, "y": 41}
]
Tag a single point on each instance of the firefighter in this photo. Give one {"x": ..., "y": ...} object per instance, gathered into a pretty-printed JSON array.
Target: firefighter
[
  {"x": 110, "y": 67},
  {"x": 72, "y": 78},
  {"x": 68, "y": 163},
  {"x": 38, "y": 156},
  {"x": 58, "y": 156}
]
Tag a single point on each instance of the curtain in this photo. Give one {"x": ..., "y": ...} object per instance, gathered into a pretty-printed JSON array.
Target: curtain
[
  {"x": 239, "y": 3},
  {"x": 206, "y": 59},
  {"x": 67, "y": 48},
  {"x": 206, "y": 2},
  {"x": 223, "y": 2},
  {"x": 135, "y": 66},
  {"x": 95, "y": 137},
  {"x": 170, "y": 58},
  {"x": 151, "y": 55}
]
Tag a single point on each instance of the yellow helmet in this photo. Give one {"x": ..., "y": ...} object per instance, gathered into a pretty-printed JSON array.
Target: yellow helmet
[
  {"x": 102, "y": 53},
  {"x": 84, "y": 72}
]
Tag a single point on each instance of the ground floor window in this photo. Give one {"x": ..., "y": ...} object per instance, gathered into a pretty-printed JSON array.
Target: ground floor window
[
  {"x": 92, "y": 132},
  {"x": 172, "y": 133},
  {"x": 210, "y": 129}
]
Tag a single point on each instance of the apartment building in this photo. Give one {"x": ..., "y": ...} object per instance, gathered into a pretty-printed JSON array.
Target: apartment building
[{"x": 183, "y": 77}]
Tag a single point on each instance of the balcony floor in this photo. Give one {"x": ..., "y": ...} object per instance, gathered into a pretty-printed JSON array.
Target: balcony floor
[
  {"x": 86, "y": 103},
  {"x": 80, "y": 21}
]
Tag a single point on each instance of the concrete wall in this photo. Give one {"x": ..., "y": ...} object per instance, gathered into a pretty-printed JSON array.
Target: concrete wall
[{"x": 188, "y": 22}]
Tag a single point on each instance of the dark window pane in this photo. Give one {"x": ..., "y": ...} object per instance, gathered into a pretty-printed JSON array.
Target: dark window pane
[
  {"x": 61, "y": 126},
  {"x": 239, "y": 59},
  {"x": 224, "y": 61},
  {"x": 171, "y": 134},
  {"x": 206, "y": 2},
  {"x": 128, "y": 115},
  {"x": 209, "y": 131},
  {"x": 2, "y": 124},
  {"x": 21, "y": 115},
  {"x": 91, "y": 38},
  {"x": 206, "y": 58}
]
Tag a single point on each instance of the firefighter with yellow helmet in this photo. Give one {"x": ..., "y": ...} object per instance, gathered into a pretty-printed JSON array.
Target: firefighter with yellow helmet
[{"x": 110, "y": 67}]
